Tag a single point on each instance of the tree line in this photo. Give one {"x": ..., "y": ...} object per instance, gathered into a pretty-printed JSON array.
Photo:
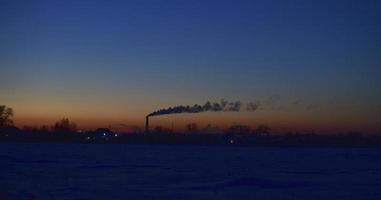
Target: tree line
[
  {"x": 63, "y": 124},
  {"x": 65, "y": 130}
]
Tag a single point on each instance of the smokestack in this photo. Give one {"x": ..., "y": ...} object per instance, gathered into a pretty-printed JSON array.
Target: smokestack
[{"x": 147, "y": 124}]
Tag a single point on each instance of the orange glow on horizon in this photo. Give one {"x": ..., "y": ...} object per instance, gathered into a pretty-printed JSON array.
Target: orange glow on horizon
[{"x": 278, "y": 121}]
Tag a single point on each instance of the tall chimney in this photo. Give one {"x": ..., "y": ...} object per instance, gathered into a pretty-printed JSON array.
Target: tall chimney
[{"x": 147, "y": 124}]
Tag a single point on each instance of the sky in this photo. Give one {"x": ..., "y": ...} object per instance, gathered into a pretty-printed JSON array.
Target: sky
[{"x": 312, "y": 65}]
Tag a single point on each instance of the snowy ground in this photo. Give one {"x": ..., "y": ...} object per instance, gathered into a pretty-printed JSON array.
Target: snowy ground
[{"x": 119, "y": 171}]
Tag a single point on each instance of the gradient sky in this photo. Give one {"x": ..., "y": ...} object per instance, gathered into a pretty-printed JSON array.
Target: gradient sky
[{"x": 311, "y": 64}]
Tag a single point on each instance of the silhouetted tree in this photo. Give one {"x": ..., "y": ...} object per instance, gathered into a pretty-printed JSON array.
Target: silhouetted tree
[
  {"x": 65, "y": 125},
  {"x": 5, "y": 115},
  {"x": 192, "y": 127}
]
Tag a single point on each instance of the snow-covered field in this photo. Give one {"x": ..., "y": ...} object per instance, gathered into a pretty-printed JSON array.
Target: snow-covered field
[{"x": 121, "y": 171}]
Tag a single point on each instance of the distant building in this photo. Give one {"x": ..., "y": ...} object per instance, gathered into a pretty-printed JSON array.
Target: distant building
[
  {"x": 9, "y": 130},
  {"x": 103, "y": 132}
]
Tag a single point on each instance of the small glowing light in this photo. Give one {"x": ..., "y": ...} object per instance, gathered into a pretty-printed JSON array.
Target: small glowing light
[
  {"x": 104, "y": 134},
  {"x": 88, "y": 138},
  {"x": 116, "y": 135},
  {"x": 231, "y": 141}
]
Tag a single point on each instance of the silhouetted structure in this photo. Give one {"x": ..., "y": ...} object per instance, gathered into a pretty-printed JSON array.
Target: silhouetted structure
[
  {"x": 147, "y": 124},
  {"x": 103, "y": 132},
  {"x": 65, "y": 131}
]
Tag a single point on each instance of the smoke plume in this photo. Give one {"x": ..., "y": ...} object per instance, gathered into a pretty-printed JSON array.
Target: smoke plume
[{"x": 223, "y": 106}]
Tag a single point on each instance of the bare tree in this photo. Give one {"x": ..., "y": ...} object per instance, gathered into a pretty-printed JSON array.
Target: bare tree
[
  {"x": 65, "y": 125},
  {"x": 5, "y": 115}
]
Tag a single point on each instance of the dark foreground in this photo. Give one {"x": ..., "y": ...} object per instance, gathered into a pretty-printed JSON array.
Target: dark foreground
[{"x": 126, "y": 171}]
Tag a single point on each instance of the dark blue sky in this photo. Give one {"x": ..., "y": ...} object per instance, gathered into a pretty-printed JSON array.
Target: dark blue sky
[{"x": 67, "y": 57}]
